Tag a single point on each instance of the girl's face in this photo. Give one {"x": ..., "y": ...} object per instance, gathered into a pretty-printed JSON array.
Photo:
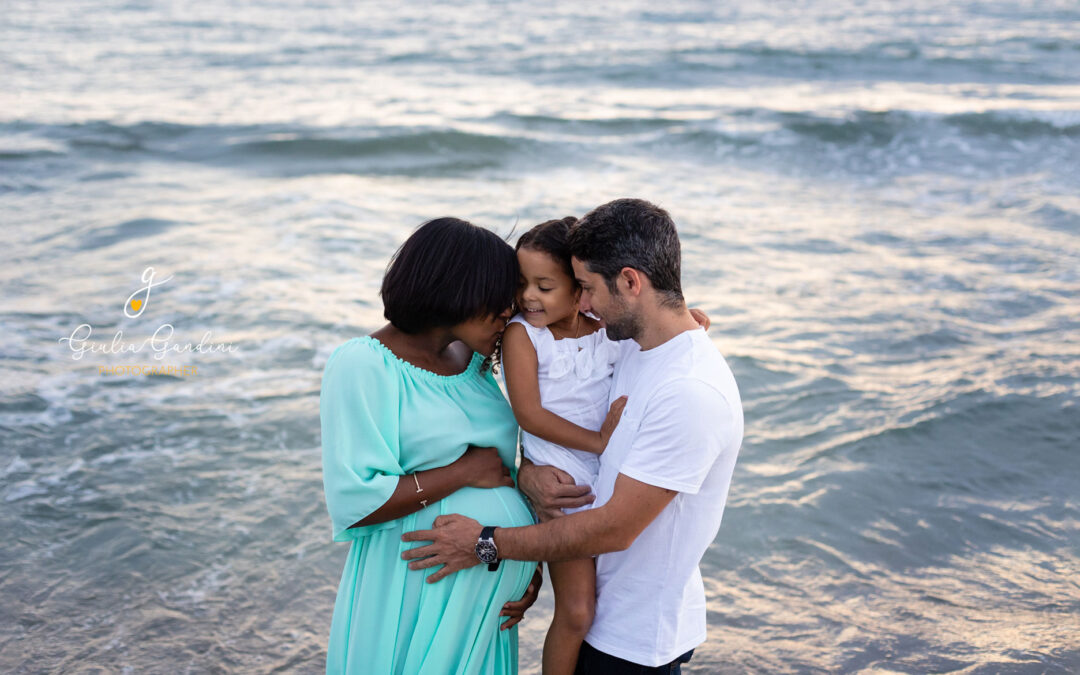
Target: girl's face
[{"x": 546, "y": 294}]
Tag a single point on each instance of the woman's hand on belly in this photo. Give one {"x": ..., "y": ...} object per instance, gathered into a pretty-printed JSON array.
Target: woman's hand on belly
[{"x": 483, "y": 468}]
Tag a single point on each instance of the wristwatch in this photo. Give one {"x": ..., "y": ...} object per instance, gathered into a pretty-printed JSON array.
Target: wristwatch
[{"x": 486, "y": 550}]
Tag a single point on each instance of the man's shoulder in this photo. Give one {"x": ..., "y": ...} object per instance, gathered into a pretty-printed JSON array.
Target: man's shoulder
[
  {"x": 710, "y": 367},
  {"x": 687, "y": 394},
  {"x": 699, "y": 363},
  {"x": 701, "y": 384}
]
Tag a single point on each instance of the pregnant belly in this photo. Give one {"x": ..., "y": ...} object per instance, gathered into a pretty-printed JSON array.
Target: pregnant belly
[
  {"x": 500, "y": 507},
  {"x": 404, "y": 608}
]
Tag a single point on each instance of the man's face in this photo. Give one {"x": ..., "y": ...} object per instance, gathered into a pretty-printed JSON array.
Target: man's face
[{"x": 612, "y": 308}]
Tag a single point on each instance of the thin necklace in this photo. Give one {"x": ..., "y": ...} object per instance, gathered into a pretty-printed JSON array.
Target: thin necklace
[{"x": 577, "y": 328}]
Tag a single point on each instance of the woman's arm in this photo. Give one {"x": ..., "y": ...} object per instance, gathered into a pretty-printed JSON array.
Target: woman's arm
[
  {"x": 523, "y": 386},
  {"x": 478, "y": 467}
]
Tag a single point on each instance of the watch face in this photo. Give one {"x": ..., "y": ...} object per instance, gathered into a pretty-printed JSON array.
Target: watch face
[{"x": 486, "y": 551}]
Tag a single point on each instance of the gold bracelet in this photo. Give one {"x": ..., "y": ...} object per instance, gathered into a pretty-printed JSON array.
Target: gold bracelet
[{"x": 423, "y": 502}]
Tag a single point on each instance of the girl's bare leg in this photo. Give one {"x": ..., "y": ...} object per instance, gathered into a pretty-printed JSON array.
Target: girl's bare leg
[{"x": 574, "y": 583}]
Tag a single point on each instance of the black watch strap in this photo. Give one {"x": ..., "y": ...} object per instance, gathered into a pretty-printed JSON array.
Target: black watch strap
[{"x": 489, "y": 533}]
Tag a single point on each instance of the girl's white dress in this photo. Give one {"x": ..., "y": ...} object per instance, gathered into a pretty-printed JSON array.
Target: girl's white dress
[{"x": 575, "y": 378}]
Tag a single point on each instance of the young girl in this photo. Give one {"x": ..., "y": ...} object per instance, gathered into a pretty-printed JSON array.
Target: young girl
[{"x": 557, "y": 363}]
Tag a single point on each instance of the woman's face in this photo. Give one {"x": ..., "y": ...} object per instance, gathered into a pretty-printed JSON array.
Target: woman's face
[{"x": 482, "y": 333}]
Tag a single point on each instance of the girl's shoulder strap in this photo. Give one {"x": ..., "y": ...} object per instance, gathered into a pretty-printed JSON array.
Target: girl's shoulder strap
[
  {"x": 538, "y": 336},
  {"x": 517, "y": 318}
]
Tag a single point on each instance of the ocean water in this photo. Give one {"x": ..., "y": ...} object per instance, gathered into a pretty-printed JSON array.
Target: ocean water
[{"x": 879, "y": 205}]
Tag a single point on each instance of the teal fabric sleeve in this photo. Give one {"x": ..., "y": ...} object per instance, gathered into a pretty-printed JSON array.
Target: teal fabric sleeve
[{"x": 358, "y": 411}]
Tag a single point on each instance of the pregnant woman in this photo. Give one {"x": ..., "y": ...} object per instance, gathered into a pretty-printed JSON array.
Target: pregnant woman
[{"x": 415, "y": 426}]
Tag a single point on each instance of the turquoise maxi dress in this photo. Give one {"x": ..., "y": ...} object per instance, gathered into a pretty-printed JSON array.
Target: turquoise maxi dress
[{"x": 383, "y": 418}]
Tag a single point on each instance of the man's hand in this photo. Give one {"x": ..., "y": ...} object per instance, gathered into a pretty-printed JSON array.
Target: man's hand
[
  {"x": 516, "y": 610},
  {"x": 453, "y": 546},
  {"x": 551, "y": 490}
]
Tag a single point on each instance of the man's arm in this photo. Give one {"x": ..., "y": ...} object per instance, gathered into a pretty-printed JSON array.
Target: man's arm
[{"x": 611, "y": 527}]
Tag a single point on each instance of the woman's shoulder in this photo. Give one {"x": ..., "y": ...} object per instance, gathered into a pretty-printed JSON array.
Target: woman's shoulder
[
  {"x": 360, "y": 356},
  {"x": 362, "y": 348},
  {"x": 370, "y": 358}
]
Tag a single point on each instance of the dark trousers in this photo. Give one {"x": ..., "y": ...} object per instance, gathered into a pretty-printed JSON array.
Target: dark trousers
[{"x": 592, "y": 661}]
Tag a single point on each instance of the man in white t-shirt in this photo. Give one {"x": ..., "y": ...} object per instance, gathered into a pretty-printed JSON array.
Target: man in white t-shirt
[{"x": 664, "y": 475}]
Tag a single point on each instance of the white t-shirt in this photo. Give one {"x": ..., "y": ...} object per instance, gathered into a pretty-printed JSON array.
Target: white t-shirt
[{"x": 681, "y": 430}]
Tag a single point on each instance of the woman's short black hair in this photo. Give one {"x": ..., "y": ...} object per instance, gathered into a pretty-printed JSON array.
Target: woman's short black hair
[
  {"x": 448, "y": 271},
  {"x": 551, "y": 237}
]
